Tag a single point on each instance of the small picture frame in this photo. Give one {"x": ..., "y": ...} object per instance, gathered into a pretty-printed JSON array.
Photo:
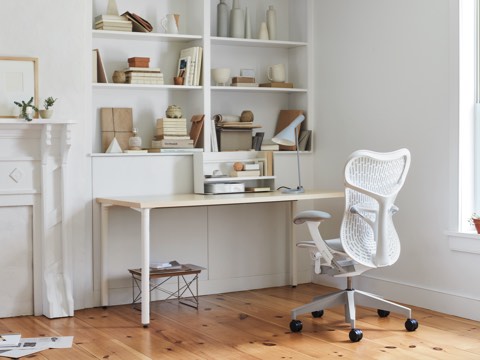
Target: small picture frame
[
  {"x": 18, "y": 82},
  {"x": 184, "y": 69},
  {"x": 247, "y": 73}
]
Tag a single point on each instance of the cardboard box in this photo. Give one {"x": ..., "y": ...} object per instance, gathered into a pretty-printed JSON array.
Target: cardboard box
[{"x": 234, "y": 139}]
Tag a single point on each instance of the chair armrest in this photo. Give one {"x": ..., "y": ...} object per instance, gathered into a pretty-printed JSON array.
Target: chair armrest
[{"x": 311, "y": 215}]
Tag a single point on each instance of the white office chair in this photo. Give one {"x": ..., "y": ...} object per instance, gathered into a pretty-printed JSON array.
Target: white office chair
[{"x": 367, "y": 237}]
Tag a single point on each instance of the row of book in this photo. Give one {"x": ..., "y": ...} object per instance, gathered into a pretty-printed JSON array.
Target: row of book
[{"x": 190, "y": 65}]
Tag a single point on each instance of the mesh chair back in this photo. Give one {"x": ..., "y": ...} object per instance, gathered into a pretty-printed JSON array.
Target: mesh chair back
[{"x": 372, "y": 182}]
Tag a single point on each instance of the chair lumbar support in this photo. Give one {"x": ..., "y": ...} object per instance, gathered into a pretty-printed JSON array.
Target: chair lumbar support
[{"x": 367, "y": 238}]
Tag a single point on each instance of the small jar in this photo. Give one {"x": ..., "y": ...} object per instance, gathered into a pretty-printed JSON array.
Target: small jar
[{"x": 135, "y": 141}]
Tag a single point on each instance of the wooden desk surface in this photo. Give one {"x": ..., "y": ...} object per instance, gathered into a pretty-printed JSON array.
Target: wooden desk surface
[{"x": 187, "y": 200}]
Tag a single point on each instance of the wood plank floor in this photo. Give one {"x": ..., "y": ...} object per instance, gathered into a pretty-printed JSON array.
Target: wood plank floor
[{"x": 250, "y": 325}]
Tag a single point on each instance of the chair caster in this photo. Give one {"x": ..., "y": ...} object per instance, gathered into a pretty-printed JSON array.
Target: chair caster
[
  {"x": 383, "y": 313},
  {"x": 411, "y": 324},
  {"x": 355, "y": 335},
  {"x": 317, "y": 314},
  {"x": 296, "y": 326}
]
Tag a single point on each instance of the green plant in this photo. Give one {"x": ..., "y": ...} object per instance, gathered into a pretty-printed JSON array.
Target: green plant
[
  {"x": 475, "y": 216},
  {"x": 24, "y": 108},
  {"x": 48, "y": 102}
]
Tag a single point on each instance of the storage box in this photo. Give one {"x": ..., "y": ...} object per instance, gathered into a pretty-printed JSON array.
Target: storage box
[
  {"x": 224, "y": 188},
  {"x": 234, "y": 139},
  {"x": 139, "y": 62}
]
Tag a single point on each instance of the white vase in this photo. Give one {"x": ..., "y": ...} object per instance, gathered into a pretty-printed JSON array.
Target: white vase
[
  {"x": 222, "y": 19},
  {"x": 237, "y": 21},
  {"x": 263, "y": 32},
  {"x": 272, "y": 23},
  {"x": 248, "y": 26}
]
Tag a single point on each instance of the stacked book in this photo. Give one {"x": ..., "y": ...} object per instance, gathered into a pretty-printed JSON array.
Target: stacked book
[
  {"x": 144, "y": 75},
  {"x": 243, "y": 81},
  {"x": 171, "y": 133},
  {"x": 113, "y": 22}
]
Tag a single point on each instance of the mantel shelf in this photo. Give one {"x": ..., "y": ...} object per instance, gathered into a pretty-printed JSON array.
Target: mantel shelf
[{"x": 17, "y": 121}]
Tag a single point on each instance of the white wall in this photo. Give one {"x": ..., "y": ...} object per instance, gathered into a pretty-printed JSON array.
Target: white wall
[
  {"x": 54, "y": 31},
  {"x": 384, "y": 78}
]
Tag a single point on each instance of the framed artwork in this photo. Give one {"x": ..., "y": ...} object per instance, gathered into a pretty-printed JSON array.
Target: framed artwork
[{"x": 18, "y": 82}]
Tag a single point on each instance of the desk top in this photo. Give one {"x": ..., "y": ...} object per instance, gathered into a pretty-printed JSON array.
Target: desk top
[{"x": 188, "y": 200}]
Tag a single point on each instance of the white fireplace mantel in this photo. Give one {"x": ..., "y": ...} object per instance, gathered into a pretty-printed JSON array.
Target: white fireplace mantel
[{"x": 33, "y": 172}]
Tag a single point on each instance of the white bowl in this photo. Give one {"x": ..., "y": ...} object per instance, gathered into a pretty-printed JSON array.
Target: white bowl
[{"x": 220, "y": 76}]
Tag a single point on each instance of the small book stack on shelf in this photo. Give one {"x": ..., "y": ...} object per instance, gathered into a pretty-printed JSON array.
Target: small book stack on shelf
[
  {"x": 113, "y": 22},
  {"x": 243, "y": 81},
  {"x": 139, "y": 72},
  {"x": 277, "y": 84},
  {"x": 171, "y": 133}
]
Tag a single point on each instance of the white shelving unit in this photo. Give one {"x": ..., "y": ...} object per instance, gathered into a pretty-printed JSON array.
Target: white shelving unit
[
  {"x": 198, "y": 28},
  {"x": 216, "y": 168}
]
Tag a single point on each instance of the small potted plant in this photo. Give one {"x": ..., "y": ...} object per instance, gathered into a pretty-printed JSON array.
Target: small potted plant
[
  {"x": 26, "y": 109},
  {"x": 47, "y": 104},
  {"x": 475, "y": 220}
]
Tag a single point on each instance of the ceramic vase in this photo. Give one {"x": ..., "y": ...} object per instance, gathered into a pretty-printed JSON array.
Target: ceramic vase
[
  {"x": 237, "y": 21},
  {"x": 263, "y": 32},
  {"x": 272, "y": 23},
  {"x": 222, "y": 19},
  {"x": 248, "y": 26}
]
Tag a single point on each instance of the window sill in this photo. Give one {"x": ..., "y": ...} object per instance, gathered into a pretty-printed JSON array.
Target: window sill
[{"x": 464, "y": 242}]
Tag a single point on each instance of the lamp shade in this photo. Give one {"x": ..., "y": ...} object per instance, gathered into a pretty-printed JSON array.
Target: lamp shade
[{"x": 288, "y": 136}]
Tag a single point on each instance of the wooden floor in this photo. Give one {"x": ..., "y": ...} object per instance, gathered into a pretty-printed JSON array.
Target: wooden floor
[{"x": 250, "y": 325}]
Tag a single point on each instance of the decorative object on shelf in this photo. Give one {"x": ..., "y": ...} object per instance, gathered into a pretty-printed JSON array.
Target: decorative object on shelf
[
  {"x": 116, "y": 123},
  {"x": 26, "y": 109},
  {"x": 19, "y": 80},
  {"x": 47, "y": 112},
  {"x": 221, "y": 76},
  {"x": 289, "y": 137},
  {"x": 143, "y": 62},
  {"x": 222, "y": 19},
  {"x": 475, "y": 220},
  {"x": 247, "y": 73},
  {"x": 174, "y": 112},
  {"x": 237, "y": 21},
  {"x": 248, "y": 25},
  {"x": 276, "y": 73},
  {"x": 263, "y": 31},
  {"x": 246, "y": 116},
  {"x": 196, "y": 129},
  {"x": 178, "y": 80},
  {"x": 169, "y": 24},
  {"x": 238, "y": 166},
  {"x": 272, "y": 23},
  {"x": 119, "y": 77},
  {"x": 114, "y": 147},
  {"x": 135, "y": 141},
  {"x": 139, "y": 24}
]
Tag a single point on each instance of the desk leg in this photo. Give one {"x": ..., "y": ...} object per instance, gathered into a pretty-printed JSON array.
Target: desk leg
[
  {"x": 103, "y": 253},
  {"x": 293, "y": 243},
  {"x": 145, "y": 233}
]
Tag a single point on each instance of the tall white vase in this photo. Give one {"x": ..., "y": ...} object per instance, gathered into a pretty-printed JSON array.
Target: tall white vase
[
  {"x": 272, "y": 23},
  {"x": 263, "y": 31},
  {"x": 222, "y": 19},
  {"x": 248, "y": 25},
  {"x": 237, "y": 21}
]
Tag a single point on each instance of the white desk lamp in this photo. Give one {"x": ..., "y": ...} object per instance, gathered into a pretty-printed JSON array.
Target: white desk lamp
[{"x": 289, "y": 137}]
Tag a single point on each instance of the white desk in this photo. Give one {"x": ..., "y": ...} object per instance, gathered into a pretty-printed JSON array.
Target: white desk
[{"x": 144, "y": 204}]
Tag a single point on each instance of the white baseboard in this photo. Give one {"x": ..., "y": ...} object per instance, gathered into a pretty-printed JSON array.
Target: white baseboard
[{"x": 452, "y": 304}]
